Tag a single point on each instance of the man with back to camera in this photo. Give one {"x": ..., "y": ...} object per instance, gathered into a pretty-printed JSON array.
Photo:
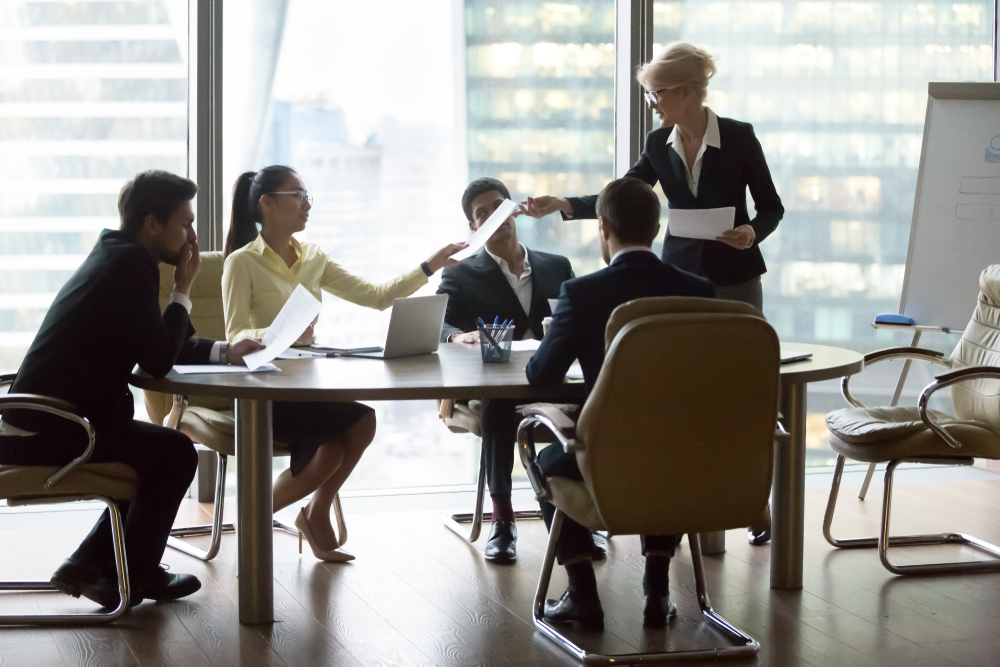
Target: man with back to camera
[
  {"x": 104, "y": 321},
  {"x": 629, "y": 220},
  {"x": 504, "y": 281}
]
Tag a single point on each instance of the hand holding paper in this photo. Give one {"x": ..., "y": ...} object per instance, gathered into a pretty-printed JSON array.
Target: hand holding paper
[
  {"x": 700, "y": 223},
  {"x": 483, "y": 234},
  {"x": 296, "y": 315}
]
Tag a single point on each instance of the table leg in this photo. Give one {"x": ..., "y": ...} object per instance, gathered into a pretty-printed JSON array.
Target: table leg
[
  {"x": 254, "y": 451},
  {"x": 788, "y": 489}
]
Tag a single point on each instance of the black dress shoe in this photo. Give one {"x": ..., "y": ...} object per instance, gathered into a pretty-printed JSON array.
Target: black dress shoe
[
  {"x": 163, "y": 586},
  {"x": 76, "y": 579},
  {"x": 760, "y": 533},
  {"x": 501, "y": 547},
  {"x": 587, "y": 615},
  {"x": 657, "y": 611},
  {"x": 599, "y": 551}
]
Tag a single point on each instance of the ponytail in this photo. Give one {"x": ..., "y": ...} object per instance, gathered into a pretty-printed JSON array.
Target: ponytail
[{"x": 247, "y": 191}]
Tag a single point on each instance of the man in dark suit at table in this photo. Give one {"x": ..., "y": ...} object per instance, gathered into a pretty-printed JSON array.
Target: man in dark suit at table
[
  {"x": 628, "y": 218},
  {"x": 504, "y": 281},
  {"x": 104, "y": 321}
]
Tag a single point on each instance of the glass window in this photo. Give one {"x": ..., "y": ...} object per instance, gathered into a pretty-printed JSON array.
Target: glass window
[
  {"x": 90, "y": 94},
  {"x": 837, "y": 93},
  {"x": 449, "y": 91}
]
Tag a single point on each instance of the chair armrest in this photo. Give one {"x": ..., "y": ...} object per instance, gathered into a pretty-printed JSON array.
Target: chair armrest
[
  {"x": 59, "y": 408},
  {"x": 561, "y": 426},
  {"x": 7, "y": 379},
  {"x": 446, "y": 408},
  {"x": 946, "y": 380},
  {"x": 173, "y": 419},
  {"x": 890, "y": 354}
]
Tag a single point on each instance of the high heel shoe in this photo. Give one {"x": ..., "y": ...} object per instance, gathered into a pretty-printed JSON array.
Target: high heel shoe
[{"x": 328, "y": 555}]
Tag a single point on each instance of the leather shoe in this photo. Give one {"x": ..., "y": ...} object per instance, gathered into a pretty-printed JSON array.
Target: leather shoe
[
  {"x": 760, "y": 532},
  {"x": 163, "y": 586},
  {"x": 657, "y": 610},
  {"x": 501, "y": 547},
  {"x": 76, "y": 579},
  {"x": 587, "y": 615},
  {"x": 599, "y": 551}
]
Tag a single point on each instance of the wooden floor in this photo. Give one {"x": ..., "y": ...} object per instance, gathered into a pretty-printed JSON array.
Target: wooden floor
[{"x": 418, "y": 595}]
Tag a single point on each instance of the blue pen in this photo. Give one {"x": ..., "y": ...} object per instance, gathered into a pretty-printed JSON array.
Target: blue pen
[
  {"x": 504, "y": 325},
  {"x": 495, "y": 320},
  {"x": 481, "y": 321}
]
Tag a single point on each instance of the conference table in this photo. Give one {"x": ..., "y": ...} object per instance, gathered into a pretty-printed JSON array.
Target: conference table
[{"x": 456, "y": 371}]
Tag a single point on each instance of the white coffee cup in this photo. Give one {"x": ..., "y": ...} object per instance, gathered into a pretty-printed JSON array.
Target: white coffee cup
[{"x": 546, "y": 323}]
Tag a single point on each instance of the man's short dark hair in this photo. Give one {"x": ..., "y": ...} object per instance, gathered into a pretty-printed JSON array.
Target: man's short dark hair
[
  {"x": 478, "y": 187},
  {"x": 156, "y": 193},
  {"x": 632, "y": 209}
]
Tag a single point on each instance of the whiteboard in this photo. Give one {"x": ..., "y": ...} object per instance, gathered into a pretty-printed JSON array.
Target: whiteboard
[{"x": 955, "y": 232}]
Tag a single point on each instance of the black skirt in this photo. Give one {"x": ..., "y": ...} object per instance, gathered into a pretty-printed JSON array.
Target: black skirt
[{"x": 306, "y": 426}]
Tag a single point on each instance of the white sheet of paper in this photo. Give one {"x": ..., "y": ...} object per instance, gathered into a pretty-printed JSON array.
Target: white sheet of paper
[
  {"x": 575, "y": 372},
  {"x": 211, "y": 369},
  {"x": 526, "y": 345},
  {"x": 292, "y": 353},
  {"x": 298, "y": 313},
  {"x": 700, "y": 223},
  {"x": 483, "y": 234}
]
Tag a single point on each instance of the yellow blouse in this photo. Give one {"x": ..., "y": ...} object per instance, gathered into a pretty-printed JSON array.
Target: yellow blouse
[{"x": 256, "y": 283}]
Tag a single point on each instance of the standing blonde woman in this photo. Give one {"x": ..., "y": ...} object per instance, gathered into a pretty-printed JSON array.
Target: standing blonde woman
[
  {"x": 261, "y": 272},
  {"x": 701, "y": 161}
]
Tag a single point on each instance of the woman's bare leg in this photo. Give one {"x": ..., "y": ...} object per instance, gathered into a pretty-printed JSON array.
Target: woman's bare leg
[{"x": 356, "y": 440}]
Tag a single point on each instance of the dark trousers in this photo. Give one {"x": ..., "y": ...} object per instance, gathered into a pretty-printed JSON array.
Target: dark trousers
[
  {"x": 165, "y": 461},
  {"x": 499, "y": 420},
  {"x": 575, "y": 540}
]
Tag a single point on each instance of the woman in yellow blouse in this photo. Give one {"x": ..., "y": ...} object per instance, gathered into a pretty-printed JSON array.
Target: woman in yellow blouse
[{"x": 262, "y": 270}]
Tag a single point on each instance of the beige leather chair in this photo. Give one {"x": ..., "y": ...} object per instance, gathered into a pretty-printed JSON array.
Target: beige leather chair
[
  {"x": 78, "y": 480},
  {"x": 209, "y": 421},
  {"x": 897, "y": 434},
  {"x": 676, "y": 437}
]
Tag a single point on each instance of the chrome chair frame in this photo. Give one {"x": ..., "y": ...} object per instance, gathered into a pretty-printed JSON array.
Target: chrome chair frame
[
  {"x": 59, "y": 408},
  {"x": 743, "y": 645},
  {"x": 217, "y": 528},
  {"x": 884, "y": 540}
]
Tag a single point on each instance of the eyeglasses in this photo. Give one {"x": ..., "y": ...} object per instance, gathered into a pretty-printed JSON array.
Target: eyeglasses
[
  {"x": 302, "y": 195},
  {"x": 652, "y": 96}
]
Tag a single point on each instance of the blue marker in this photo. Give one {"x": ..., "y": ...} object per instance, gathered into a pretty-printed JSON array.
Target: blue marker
[
  {"x": 496, "y": 320},
  {"x": 481, "y": 321}
]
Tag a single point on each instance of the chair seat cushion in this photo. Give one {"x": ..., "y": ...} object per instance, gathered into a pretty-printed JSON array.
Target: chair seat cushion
[
  {"x": 574, "y": 499},
  {"x": 216, "y": 429},
  {"x": 465, "y": 418},
  {"x": 113, "y": 480},
  {"x": 875, "y": 435}
]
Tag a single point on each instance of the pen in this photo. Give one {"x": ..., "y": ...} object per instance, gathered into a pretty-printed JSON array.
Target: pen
[{"x": 495, "y": 320}]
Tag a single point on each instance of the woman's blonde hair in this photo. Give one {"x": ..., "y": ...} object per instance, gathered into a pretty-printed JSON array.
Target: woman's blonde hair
[{"x": 680, "y": 65}]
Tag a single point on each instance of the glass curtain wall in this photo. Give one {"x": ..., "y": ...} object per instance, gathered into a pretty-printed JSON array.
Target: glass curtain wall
[
  {"x": 90, "y": 94},
  {"x": 837, "y": 93},
  {"x": 450, "y": 90}
]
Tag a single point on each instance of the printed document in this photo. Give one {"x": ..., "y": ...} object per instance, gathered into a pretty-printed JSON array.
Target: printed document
[
  {"x": 212, "y": 369},
  {"x": 483, "y": 234},
  {"x": 298, "y": 313},
  {"x": 700, "y": 223}
]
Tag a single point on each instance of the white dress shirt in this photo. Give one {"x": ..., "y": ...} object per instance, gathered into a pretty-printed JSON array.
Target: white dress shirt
[
  {"x": 520, "y": 284},
  {"x": 628, "y": 249},
  {"x": 711, "y": 138}
]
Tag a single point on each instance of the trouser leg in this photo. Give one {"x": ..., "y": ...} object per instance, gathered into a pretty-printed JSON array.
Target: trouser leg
[
  {"x": 165, "y": 461},
  {"x": 499, "y": 420},
  {"x": 574, "y": 540}
]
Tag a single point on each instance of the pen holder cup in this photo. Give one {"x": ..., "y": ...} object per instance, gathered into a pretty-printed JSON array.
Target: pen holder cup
[{"x": 495, "y": 343}]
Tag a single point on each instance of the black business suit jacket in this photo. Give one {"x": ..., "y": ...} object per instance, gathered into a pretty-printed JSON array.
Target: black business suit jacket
[
  {"x": 726, "y": 173},
  {"x": 585, "y": 306},
  {"x": 477, "y": 288},
  {"x": 104, "y": 321}
]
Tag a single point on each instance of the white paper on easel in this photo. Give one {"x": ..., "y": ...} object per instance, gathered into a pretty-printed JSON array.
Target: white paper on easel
[
  {"x": 700, "y": 223},
  {"x": 296, "y": 315},
  {"x": 483, "y": 234}
]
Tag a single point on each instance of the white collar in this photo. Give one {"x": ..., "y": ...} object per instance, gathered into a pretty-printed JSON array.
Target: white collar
[
  {"x": 627, "y": 249},
  {"x": 711, "y": 137},
  {"x": 502, "y": 263}
]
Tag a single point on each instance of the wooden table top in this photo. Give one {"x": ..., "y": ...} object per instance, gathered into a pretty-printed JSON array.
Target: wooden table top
[
  {"x": 827, "y": 363},
  {"x": 456, "y": 371}
]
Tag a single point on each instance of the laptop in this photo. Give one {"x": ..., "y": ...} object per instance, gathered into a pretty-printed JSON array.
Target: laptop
[
  {"x": 414, "y": 328},
  {"x": 791, "y": 356}
]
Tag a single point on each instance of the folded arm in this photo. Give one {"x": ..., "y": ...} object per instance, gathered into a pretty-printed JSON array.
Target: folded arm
[{"x": 559, "y": 348}]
